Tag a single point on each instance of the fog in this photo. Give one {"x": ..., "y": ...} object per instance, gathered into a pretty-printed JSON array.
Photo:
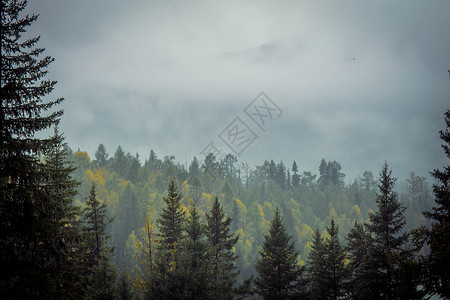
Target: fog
[{"x": 359, "y": 82}]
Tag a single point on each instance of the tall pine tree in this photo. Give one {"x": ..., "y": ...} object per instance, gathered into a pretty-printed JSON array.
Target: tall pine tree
[
  {"x": 335, "y": 256},
  {"x": 223, "y": 264},
  {"x": 194, "y": 261},
  {"x": 26, "y": 244},
  {"x": 317, "y": 272},
  {"x": 278, "y": 270},
  {"x": 436, "y": 263},
  {"x": 101, "y": 277},
  {"x": 388, "y": 240},
  {"x": 170, "y": 224}
]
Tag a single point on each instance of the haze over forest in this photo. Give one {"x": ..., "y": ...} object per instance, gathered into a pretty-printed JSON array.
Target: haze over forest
[{"x": 358, "y": 82}]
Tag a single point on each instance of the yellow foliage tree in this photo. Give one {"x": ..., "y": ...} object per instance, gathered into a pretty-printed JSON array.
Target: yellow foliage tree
[{"x": 145, "y": 245}]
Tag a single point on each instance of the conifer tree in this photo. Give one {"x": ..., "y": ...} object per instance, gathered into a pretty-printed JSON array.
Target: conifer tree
[
  {"x": 388, "y": 240},
  {"x": 317, "y": 272},
  {"x": 436, "y": 263},
  {"x": 25, "y": 208},
  {"x": 335, "y": 256},
  {"x": 278, "y": 270},
  {"x": 194, "y": 261},
  {"x": 101, "y": 273},
  {"x": 360, "y": 283},
  {"x": 223, "y": 264},
  {"x": 62, "y": 222},
  {"x": 295, "y": 176},
  {"x": 170, "y": 225}
]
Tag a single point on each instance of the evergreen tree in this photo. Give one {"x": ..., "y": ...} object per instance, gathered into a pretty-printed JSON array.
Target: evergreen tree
[
  {"x": 335, "y": 257},
  {"x": 172, "y": 218},
  {"x": 170, "y": 225},
  {"x": 194, "y": 167},
  {"x": 295, "y": 176},
  {"x": 323, "y": 172},
  {"x": 125, "y": 291},
  {"x": 367, "y": 180},
  {"x": 102, "y": 274},
  {"x": 193, "y": 273},
  {"x": 317, "y": 272},
  {"x": 25, "y": 207},
  {"x": 388, "y": 241},
  {"x": 62, "y": 223},
  {"x": 436, "y": 264},
  {"x": 223, "y": 264},
  {"x": 278, "y": 271},
  {"x": 360, "y": 283},
  {"x": 101, "y": 156}
]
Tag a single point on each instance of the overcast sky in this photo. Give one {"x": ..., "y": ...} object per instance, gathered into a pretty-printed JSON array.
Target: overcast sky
[{"x": 359, "y": 82}]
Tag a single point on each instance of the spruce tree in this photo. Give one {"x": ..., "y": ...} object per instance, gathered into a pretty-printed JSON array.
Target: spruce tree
[
  {"x": 335, "y": 256},
  {"x": 278, "y": 270},
  {"x": 62, "y": 222},
  {"x": 194, "y": 261},
  {"x": 101, "y": 277},
  {"x": 25, "y": 208},
  {"x": 223, "y": 264},
  {"x": 436, "y": 263},
  {"x": 388, "y": 240},
  {"x": 317, "y": 273},
  {"x": 360, "y": 283},
  {"x": 170, "y": 225},
  {"x": 295, "y": 176}
]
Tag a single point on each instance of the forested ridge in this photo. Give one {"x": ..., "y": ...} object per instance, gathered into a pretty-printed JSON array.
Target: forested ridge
[{"x": 118, "y": 226}]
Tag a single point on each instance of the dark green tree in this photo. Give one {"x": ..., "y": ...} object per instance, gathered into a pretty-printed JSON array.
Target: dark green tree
[
  {"x": 125, "y": 289},
  {"x": 62, "y": 223},
  {"x": 388, "y": 239},
  {"x": 278, "y": 270},
  {"x": 335, "y": 256},
  {"x": 101, "y": 273},
  {"x": 25, "y": 207},
  {"x": 317, "y": 272},
  {"x": 360, "y": 283},
  {"x": 170, "y": 224},
  {"x": 194, "y": 261},
  {"x": 223, "y": 264},
  {"x": 436, "y": 263}
]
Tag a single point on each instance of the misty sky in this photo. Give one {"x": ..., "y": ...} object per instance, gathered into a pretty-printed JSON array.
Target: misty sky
[{"x": 359, "y": 82}]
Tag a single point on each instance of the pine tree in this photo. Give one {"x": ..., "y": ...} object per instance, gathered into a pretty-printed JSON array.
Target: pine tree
[
  {"x": 170, "y": 225},
  {"x": 317, "y": 273},
  {"x": 63, "y": 221},
  {"x": 25, "y": 207},
  {"x": 436, "y": 264},
  {"x": 335, "y": 256},
  {"x": 101, "y": 156},
  {"x": 388, "y": 241},
  {"x": 361, "y": 274},
  {"x": 278, "y": 270},
  {"x": 125, "y": 291},
  {"x": 223, "y": 265},
  {"x": 295, "y": 176},
  {"x": 194, "y": 261},
  {"x": 101, "y": 273}
]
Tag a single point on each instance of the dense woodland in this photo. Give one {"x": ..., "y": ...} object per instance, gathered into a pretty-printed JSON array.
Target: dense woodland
[{"x": 120, "y": 226}]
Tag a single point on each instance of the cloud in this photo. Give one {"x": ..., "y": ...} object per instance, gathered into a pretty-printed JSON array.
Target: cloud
[{"x": 360, "y": 82}]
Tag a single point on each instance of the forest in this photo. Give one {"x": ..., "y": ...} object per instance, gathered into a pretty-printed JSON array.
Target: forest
[{"x": 115, "y": 225}]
